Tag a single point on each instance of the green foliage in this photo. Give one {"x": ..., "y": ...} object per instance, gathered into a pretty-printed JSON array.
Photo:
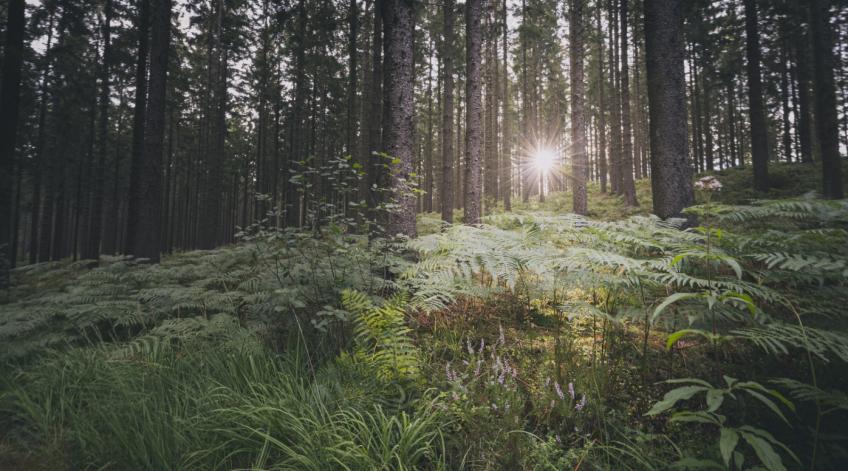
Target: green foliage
[
  {"x": 273, "y": 280},
  {"x": 761, "y": 441},
  {"x": 211, "y": 408},
  {"x": 382, "y": 337},
  {"x": 461, "y": 359}
]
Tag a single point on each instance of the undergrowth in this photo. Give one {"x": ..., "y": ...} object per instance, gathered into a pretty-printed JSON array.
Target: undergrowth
[{"x": 538, "y": 340}]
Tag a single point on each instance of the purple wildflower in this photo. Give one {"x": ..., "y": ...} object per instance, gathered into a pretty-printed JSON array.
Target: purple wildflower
[
  {"x": 571, "y": 390},
  {"x": 559, "y": 390},
  {"x": 580, "y": 405}
]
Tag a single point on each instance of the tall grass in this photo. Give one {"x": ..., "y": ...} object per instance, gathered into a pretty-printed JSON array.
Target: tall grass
[{"x": 203, "y": 408}]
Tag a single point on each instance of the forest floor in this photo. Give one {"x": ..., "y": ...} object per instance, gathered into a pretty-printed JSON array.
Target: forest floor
[{"x": 541, "y": 340}]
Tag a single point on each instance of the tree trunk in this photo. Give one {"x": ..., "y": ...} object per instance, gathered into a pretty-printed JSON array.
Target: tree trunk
[
  {"x": 802, "y": 70},
  {"x": 293, "y": 194},
  {"x": 144, "y": 228},
  {"x": 579, "y": 161},
  {"x": 474, "y": 111},
  {"x": 140, "y": 110},
  {"x": 615, "y": 105},
  {"x": 428, "y": 145},
  {"x": 506, "y": 149},
  {"x": 399, "y": 141},
  {"x": 210, "y": 224},
  {"x": 38, "y": 170},
  {"x": 447, "y": 190},
  {"x": 827, "y": 124},
  {"x": 671, "y": 175},
  {"x": 9, "y": 107},
  {"x": 91, "y": 249},
  {"x": 602, "y": 108},
  {"x": 784, "y": 98},
  {"x": 353, "y": 29},
  {"x": 628, "y": 186},
  {"x": 756, "y": 109}
]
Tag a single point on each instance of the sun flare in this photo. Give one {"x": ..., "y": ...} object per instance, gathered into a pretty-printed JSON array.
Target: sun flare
[{"x": 544, "y": 159}]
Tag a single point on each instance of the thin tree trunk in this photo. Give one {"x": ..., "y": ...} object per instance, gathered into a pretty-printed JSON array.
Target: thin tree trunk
[
  {"x": 615, "y": 105},
  {"x": 756, "y": 109},
  {"x": 802, "y": 67},
  {"x": 92, "y": 247},
  {"x": 784, "y": 99},
  {"x": 140, "y": 110},
  {"x": 506, "y": 149},
  {"x": 428, "y": 150},
  {"x": 39, "y": 164},
  {"x": 628, "y": 186},
  {"x": 447, "y": 190},
  {"x": 353, "y": 29},
  {"x": 602, "y": 107}
]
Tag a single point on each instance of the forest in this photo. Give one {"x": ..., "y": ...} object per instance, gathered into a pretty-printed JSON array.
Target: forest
[{"x": 423, "y": 234}]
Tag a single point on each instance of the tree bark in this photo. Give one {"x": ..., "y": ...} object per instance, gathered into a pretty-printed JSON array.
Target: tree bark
[
  {"x": 671, "y": 175},
  {"x": 602, "y": 108},
  {"x": 628, "y": 186},
  {"x": 9, "y": 111},
  {"x": 827, "y": 124},
  {"x": 144, "y": 229},
  {"x": 474, "y": 111},
  {"x": 615, "y": 105},
  {"x": 506, "y": 149},
  {"x": 353, "y": 29},
  {"x": 140, "y": 109},
  {"x": 399, "y": 141},
  {"x": 802, "y": 70},
  {"x": 579, "y": 160},
  {"x": 447, "y": 190},
  {"x": 91, "y": 249},
  {"x": 756, "y": 109}
]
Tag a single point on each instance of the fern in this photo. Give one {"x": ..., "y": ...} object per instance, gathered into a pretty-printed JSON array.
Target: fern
[{"x": 382, "y": 337}]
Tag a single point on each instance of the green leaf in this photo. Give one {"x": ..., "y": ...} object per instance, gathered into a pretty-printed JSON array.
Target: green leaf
[
  {"x": 765, "y": 452},
  {"x": 734, "y": 265},
  {"x": 671, "y": 300},
  {"x": 742, "y": 298},
  {"x": 700, "y": 417},
  {"x": 672, "y": 397},
  {"x": 727, "y": 443},
  {"x": 768, "y": 402},
  {"x": 715, "y": 397},
  {"x": 683, "y": 333},
  {"x": 770, "y": 438}
]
